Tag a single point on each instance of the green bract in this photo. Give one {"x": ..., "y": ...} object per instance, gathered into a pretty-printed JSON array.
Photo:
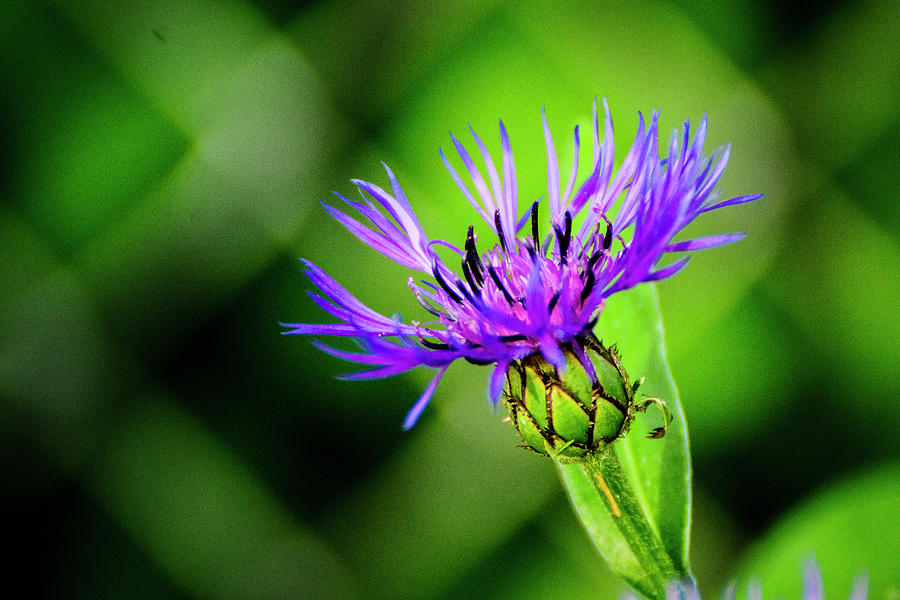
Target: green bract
[{"x": 566, "y": 415}]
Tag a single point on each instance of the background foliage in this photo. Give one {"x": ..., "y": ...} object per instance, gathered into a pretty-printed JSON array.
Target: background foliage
[{"x": 160, "y": 174}]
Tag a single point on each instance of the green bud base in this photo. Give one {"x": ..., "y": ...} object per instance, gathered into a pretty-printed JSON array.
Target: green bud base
[
  {"x": 633, "y": 495},
  {"x": 575, "y": 418},
  {"x": 567, "y": 415}
]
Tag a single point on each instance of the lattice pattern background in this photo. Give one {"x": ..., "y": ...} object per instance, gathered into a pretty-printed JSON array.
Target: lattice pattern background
[{"x": 162, "y": 165}]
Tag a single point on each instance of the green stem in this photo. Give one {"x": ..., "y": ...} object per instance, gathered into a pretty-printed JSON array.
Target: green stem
[{"x": 609, "y": 479}]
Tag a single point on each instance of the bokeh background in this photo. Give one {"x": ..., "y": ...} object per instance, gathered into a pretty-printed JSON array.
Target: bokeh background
[{"x": 161, "y": 169}]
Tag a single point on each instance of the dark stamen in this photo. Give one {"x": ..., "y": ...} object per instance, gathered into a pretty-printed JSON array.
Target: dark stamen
[
  {"x": 472, "y": 256},
  {"x": 564, "y": 237},
  {"x": 568, "y": 236},
  {"x": 595, "y": 258},
  {"x": 427, "y": 306},
  {"x": 513, "y": 338},
  {"x": 535, "y": 237},
  {"x": 588, "y": 285},
  {"x": 479, "y": 361},
  {"x": 607, "y": 239},
  {"x": 468, "y": 273},
  {"x": 465, "y": 292},
  {"x": 434, "y": 345},
  {"x": 499, "y": 284},
  {"x": 437, "y": 275},
  {"x": 553, "y": 302},
  {"x": 499, "y": 230}
]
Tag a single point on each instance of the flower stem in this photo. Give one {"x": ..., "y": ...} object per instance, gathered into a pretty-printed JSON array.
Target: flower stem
[{"x": 611, "y": 483}]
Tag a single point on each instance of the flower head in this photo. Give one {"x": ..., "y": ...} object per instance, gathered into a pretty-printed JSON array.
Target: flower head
[{"x": 523, "y": 286}]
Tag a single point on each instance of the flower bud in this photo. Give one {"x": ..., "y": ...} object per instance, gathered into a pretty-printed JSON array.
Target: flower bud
[{"x": 569, "y": 414}]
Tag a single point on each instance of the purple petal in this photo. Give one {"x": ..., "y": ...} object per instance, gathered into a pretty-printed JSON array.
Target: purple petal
[
  {"x": 525, "y": 218},
  {"x": 416, "y": 411},
  {"x": 489, "y": 165},
  {"x": 733, "y": 201},
  {"x": 552, "y": 171},
  {"x": 860, "y": 588},
  {"x": 357, "y": 357},
  {"x": 475, "y": 174},
  {"x": 398, "y": 191},
  {"x": 510, "y": 195},
  {"x": 496, "y": 382},
  {"x": 550, "y": 350},
  {"x": 345, "y": 301},
  {"x": 705, "y": 242},
  {"x": 534, "y": 298},
  {"x": 608, "y": 157},
  {"x": 398, "y": 208},
  {"x": 730, "y": 591},
  {"x": 378, "y": 373},
  {"x": 716, "y": 174},
  {"x": 400, "y": 253},
  {"x": 465, "y": 190},
  {"x": 585, "y": 361},
  {"x": 754, "y": 591},
  {"x": 812, "y": 581},
  {"x": 446, "y": 244},
  {"x": 340, "y": 329},
  {"x": 573, "y": 174},
  {"x": 369, "y": 211},
  {"x": 668, "y": 271}
]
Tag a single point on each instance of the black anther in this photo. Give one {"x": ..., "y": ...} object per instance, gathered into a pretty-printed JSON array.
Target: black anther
[
  {"x": 437, "y": 275},
  {"x": 427, "y": 306},
  {"x": 499, "y": 284},
  {"x": 535, "y": 236},
  {"x": 434, "y": 345},
  {"x": 472, "y": 256},
  {"x": 468, "y": 273},
  {"x": 513, "y": 338},
  {"x": 553, "y": 302},
  {"x": 607, "y": 239},
  {"x": 499, "y": 225},
  {"x": 588, "y": 285}
]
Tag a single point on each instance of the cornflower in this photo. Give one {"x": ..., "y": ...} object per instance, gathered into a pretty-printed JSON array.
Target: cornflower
[
  {"x": 813, "y": 588},
  {"x": 533, "y": 297}
]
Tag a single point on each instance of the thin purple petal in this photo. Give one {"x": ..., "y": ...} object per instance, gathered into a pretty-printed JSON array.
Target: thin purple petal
[
  {"x": 510, "y": 194},
  {"x": 860, "y": 588},
  {"x": 732, "y": 202},
  {"x": 552, "y": 171},
  {"x": 812, "y": 581},
  {"x": 669, "y": 270},
  {"x": 704, "y": 243},
  {"x": 416, "y": 411},
  {"x": 496, "y": 382}
]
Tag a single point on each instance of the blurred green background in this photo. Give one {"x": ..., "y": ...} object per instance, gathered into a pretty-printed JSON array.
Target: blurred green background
[{"x": 161, "y": 169}]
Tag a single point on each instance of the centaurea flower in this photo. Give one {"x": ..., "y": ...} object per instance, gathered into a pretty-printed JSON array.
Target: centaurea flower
[
  {"x": 538, "y": 290},
  {"x": 813, "y": 589}
]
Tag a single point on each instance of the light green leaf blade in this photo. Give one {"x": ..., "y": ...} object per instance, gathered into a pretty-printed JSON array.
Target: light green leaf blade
[
  {"x": 658, "y": 469},
  {"x": 849, "y": 527},
  {"x": 598, "y": 521}
]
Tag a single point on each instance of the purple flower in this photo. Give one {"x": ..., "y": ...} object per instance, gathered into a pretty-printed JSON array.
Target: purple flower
[
  {"x": 532, "y": 286},
  {"x": 812, "y": 587}
]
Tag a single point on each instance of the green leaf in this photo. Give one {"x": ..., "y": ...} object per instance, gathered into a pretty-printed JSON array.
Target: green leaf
[
  {"x": 848, "y": 527},
  {"x": 657, "y": 470}
]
